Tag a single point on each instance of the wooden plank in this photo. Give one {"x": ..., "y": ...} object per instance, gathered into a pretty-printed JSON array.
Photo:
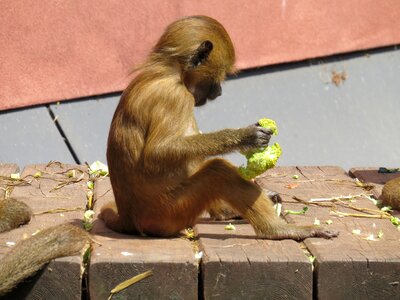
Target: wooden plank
[
  {"x": 348, "y": 266},
  {"x": 6, "y": 170},
  {"x": 236, "y": 265},
  {"x": 61, "y": 278},
  {"x": 29, "y": 136},
  {"x": 86, "y": 123},
  {"x": 119, "y": 257},
  {"x": 371, "y": 175}
]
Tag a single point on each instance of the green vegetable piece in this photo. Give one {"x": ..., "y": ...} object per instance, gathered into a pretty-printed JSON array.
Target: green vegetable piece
[
  {"x": 230, "y": 226},
  {"x": 90, "y": 185},
  {"x": 293, "y": 212},
  {"x": 98, "y": 168},
  {"x": 268, "y": 123},
  {"x": 261, "y": 159},
  {"x": 395, "y": 221}
]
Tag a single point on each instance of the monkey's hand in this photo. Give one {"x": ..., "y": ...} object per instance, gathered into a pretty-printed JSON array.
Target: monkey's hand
[{"x": 256, "y": 137}]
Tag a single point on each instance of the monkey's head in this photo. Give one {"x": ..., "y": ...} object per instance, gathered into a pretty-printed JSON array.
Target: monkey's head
[{"x": 204, "y": 52}]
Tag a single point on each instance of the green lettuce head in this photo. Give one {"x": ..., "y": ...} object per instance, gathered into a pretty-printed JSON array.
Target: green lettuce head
[{"x": 261, "y": 159}]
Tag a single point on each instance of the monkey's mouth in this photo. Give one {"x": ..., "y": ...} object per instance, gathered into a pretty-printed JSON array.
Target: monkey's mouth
[{"x": 200, "y": 102}]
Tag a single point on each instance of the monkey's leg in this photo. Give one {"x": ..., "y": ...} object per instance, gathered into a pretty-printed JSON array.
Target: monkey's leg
[
  {"x": 218, "y": 179},
  {"x": 220, "y": 211}
]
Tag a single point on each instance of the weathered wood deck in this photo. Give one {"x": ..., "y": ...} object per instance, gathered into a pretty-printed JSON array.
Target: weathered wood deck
[{"x": 234, "y": 265}]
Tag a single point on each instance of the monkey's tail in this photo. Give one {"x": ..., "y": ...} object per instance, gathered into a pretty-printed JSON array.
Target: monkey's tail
[
  {"x": 30, "y": 255},
  {"x": 13, "y": 213}
]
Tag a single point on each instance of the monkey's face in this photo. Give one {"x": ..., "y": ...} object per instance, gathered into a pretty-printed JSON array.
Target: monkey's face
[{"x": 204, "y": 90}]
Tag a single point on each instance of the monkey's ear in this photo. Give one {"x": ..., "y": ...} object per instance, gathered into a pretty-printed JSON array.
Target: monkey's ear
[{"x": 201, "y": 53}]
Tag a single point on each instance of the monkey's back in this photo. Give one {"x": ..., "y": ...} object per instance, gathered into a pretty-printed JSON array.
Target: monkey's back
[{"x": 148, "y": 122}]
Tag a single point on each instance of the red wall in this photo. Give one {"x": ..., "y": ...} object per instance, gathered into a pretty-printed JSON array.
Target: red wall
[{"x": 53, "y": 50}]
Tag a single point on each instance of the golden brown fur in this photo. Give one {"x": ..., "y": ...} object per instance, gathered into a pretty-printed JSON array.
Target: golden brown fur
[
  {"x": 160, "y": 167},
  {"x": 13, "y": 213},
  {"x": 391, "y": 193},
  {"x": 30, "y": 255}
]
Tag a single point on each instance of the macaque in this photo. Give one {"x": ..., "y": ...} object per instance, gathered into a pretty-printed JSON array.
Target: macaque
[
  {"x": 391, "y": 193},
  {"x": 163, "y": 171},
  {"x": 30, "y": 255}
]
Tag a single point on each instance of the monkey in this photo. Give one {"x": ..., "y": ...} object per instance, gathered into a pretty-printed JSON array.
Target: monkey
[
  {"x": 30, "y": 255},
  {"x": 391, "y": 193},
  {"x": 163, "y": 171}
]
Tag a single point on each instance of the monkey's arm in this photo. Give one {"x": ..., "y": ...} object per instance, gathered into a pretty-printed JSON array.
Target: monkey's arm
[
  {"x": 226, "y": 140},
  {"x": 168, "y": 140},
  {"x": 174, "y": 150}
]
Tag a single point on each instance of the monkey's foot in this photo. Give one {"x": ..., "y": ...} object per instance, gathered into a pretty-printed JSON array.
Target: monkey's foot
[
  {"x": 298, "y": 233},
  {"x": 274, "y": 196},
  {"x": 324, "y": 233}
]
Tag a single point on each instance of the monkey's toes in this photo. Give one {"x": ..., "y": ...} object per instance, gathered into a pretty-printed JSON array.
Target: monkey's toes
[
  {"x": 274, "y": 196},
  {"x": 326, "y": 233}
]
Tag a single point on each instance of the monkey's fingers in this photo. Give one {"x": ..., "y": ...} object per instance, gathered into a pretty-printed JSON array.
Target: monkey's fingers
[{"x": 263, "y": 136}]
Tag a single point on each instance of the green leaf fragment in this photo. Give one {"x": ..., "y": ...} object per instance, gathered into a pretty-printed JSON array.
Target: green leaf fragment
[
  {"x": 71, "y": 173},
  {"x": 98, "y": 168},
  {"x": 90, "y": 185},
  {"x": 230, "y": 227},
  {"x": 387, "y": 209},
  {"x": 395, "y": 221},
  {"x": 293, "y": 212},
  {"x": 86, "y": 255},
  {"x": 87, "y": 226},
  {"x": 15, "y": 176}
]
